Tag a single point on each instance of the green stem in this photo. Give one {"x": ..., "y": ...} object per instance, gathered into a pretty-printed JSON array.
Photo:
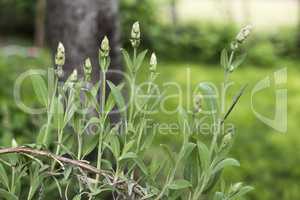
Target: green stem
[
  {"x": 12, "y": 187},
  {"x": 60, "y": 137},
  {"x": 49, "y": 112},
  {"x": 79, "y": 140},
  {"x": 99, "y": 158}
]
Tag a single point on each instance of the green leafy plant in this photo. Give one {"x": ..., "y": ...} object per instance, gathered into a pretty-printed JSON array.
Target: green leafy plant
[{"x": 78, "y": 123}]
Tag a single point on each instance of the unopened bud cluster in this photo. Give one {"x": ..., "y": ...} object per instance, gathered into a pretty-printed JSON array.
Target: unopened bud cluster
[
  {"x": 241, "y": 37},
  {"x": 104, "y": 59},
  {"x": 60, "y": 60},
  {"x": 153, "y": 66},
  {"x": 104, "y": 50},
  {"x": 153, "y": 63},
  {"x": 198, "y": 103},
  {"x": 135, "y": 35},
  {"x": 87, "y": 69},
  {"x": 74, "y": 76}
]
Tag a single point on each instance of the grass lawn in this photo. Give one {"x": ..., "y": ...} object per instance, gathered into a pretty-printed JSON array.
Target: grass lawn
[{"x": 270, "y": 160}]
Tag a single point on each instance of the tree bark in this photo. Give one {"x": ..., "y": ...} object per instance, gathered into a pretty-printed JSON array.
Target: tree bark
[
  {"x": 40, "y": 14},
  {"x": 81, "y": 25}
]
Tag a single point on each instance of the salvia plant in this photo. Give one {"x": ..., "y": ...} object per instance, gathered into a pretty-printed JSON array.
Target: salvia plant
[{"x": 80, "y": 153}]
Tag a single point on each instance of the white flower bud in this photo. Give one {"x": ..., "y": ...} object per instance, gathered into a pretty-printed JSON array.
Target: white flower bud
[
  {"x": 60, "y": 55},
  {"x": 88, "y": 64},
  {"x": 136, "y": 32},
  {"x": 105, "y": 44},
  {"x": 135, "y": 35},
  {"x": 74, "y": 76},
  {"x": 153, "y": 62},
  {"x": 244, "y": 34},
  {"x": 14, "y": 143},
  {"x": 87, "y": 69},
  {"x": 198, "y": 103},
  {"x": 60, "y": 48}
]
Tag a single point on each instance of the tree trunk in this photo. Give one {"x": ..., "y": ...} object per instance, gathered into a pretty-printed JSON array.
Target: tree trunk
[
  {"x": 40, "y": 14},
  {"x": 81, "y": 25}
]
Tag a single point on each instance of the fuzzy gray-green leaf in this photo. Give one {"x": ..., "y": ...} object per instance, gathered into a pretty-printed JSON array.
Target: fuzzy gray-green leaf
[
  {"x": 225, "y": 163},
  {"x": 40, "y": 89}
]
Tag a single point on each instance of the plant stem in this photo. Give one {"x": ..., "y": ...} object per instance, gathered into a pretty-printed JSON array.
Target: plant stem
[
  {"x": 12, "y": 188},
  {"x": 103, "y": 95},
  {"x": 79, "y": 140},
  {"x": 49, "y": 112}
]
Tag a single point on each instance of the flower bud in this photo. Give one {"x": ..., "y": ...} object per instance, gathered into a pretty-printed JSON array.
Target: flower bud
[
  {"x": 87, "y": 66},
  {"x": 87, "y": 69},
  {"x": 153, "y": 62},
  {"x": 197, "y": 103},
  {"x": 105, "y": 44},
  {"x": 135, "y": 31},
  {"x": 234, "y": 45},
  {"x": 60, "y": 55},
  {"x": 74, "y": 76},
  {"x": 135, "y": 35},
  {"x": 14, "y": 143},
  {"x": 244, "y": 34},
  {"x": 104, "y": 59}
]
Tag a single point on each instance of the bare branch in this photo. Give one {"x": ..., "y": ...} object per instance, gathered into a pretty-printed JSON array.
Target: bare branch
[{"x": 36, "y": 152}]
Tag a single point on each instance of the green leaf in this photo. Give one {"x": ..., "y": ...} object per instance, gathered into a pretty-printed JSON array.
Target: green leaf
[
  {"x": 187, "y": 149},
  {"x": 90, "y": 142},
  {"x": 128, "y": 146},
  {"x": 109, "y": 104},
  {"x": 180, "y": 184},
  {"x": 128, "y": 155},
  {"x": 169, "y": 153},
  {"x": 225, "y": 163},
  {"x": 58, "y": 116},
  {"x": 40, "y": 89},
  {"x": 203, "y": 155},
  {"x": 71, "y": 108},
  {"x": 210, "y": 98},
  {"x": 239, "y": 60},
  {"x": 118, "y": 98},
  {"x": 6, "y": 195},
  {"x": 77, "y": 197},
  {"x": 35, "y": 180},
  {"x": 41, "y": 136},
  {"x": 142, "y": 165},
  {"x": 58, "y": 186},
  {"x": 139, "y": 60},
  {"x": 219, "y": 196},
  {"x": 224, "y": 59},
  {"x": 184, "y": 123},
  {"x": 127, "y": 59},
  {"x": 113, "y": 144},
  {"x": 3, "y": 177},
  {"x": 234, "y": 102},
  {"x": 244, "y": 190}
]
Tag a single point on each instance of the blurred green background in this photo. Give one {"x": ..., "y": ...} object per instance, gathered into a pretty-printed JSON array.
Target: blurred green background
[{"x": 188, "y": 34}]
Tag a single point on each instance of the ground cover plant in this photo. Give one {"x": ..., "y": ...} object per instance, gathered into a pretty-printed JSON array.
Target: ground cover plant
[{"x": 78, "y": 126}]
